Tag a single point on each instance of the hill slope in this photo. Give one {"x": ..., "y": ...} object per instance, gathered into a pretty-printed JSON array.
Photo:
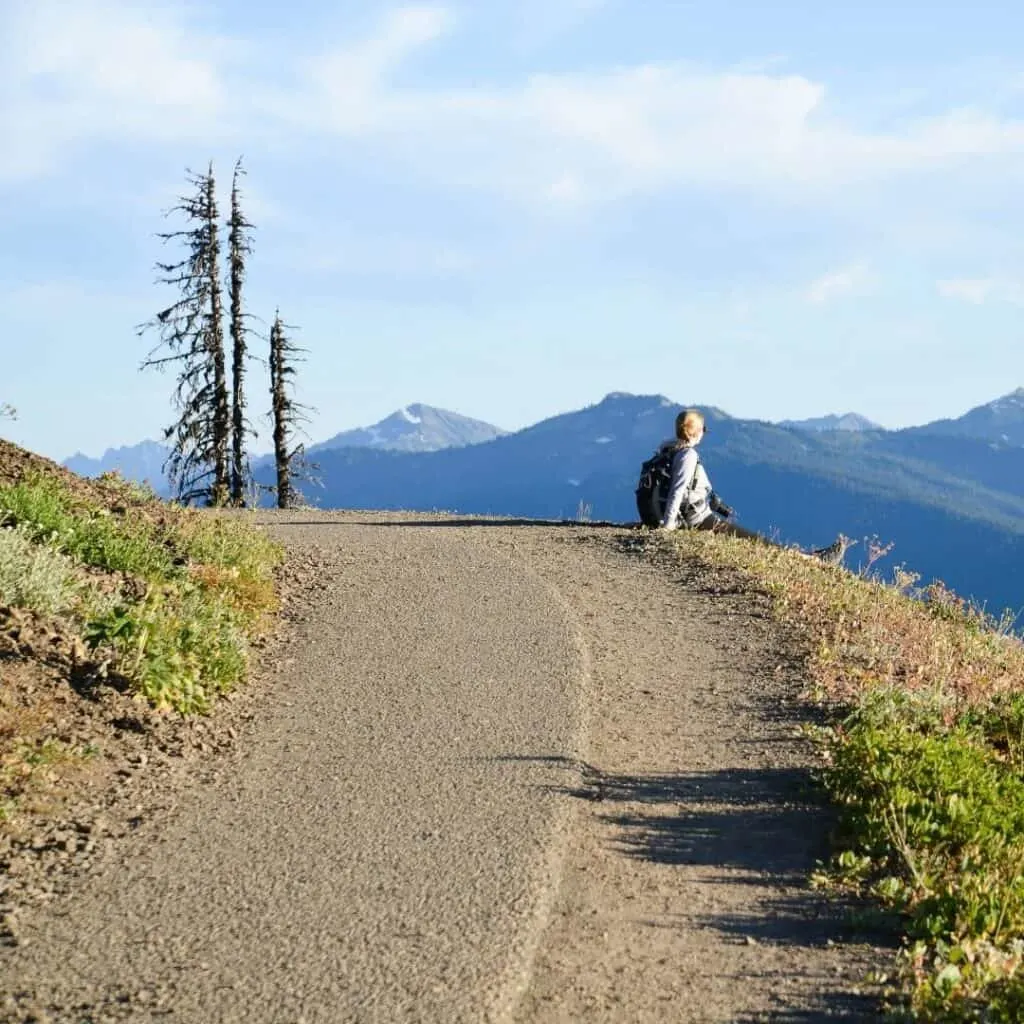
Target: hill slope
[{"x": 1000, "y": 421}]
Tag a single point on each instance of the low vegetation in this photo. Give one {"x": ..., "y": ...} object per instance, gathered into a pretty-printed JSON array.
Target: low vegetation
[
  {"x": 164, "y": 597},
  {"x": 925, "y": 760},
  {"x": 101, "y": 583}
]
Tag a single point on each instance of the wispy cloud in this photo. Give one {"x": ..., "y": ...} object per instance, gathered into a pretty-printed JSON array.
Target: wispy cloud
[
  {"x": 97, "y": 72},
  {"x": 344, "y": 89},
  {"x": 981, "y": 290},
  {"x": 536, "y": 23},
  {"x": 847, "y": 282},
  {"x": 112, "y": 70},
  {"x": 653, "y": 127}
]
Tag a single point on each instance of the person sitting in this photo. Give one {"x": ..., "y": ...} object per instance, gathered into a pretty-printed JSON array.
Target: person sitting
[{"x": 693, "y": 503}]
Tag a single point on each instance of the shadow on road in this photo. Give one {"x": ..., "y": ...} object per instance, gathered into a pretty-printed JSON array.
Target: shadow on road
[{"x": 768, "y": 828}]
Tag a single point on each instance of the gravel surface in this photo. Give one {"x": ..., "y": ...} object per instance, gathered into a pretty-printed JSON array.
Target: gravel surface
[{"x": 490, "y": 772}]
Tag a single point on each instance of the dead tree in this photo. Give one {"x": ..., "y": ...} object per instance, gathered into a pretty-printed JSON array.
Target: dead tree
[
  {"x": 287, "y": 414},
  {"x": 191, "y": 339},
  {"x": 239, "y": 248}
]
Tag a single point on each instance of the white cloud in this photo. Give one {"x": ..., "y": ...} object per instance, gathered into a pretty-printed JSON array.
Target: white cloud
[
  {"x": 856, "y": 279},
  {"x": 981, "y": 290},
  {"x": 342, "y": 89},
  {"x": 113, "y": 70},
  {"x": 536, "y": 23},
  {"x": 99, "y": 71},
  {"x": 652, "y": 127}
]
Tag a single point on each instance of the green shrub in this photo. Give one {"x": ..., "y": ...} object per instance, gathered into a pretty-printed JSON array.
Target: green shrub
[
  {"x": 180, "y": 646},
  {"x": 94, "y": 536},
  {"x": 229, "y": 543},
  {"x": 1002, "y": 722},
  {"x": 37, "y": 505},
  {"x": 934, "y": 826}
]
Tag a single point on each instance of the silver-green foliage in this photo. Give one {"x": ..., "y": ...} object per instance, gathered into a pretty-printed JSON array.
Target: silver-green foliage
[{"x": 35, "y": 575}]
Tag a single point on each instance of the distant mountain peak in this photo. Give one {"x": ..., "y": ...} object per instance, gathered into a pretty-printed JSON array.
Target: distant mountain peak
[
  {"x": 415, "y": 428},
  {"x": 1000, "y": 421},
  {"x": 615, "y": 397},
  {"x": 1015, "y": 399},
  {"x": 845, "y": 421},
  {"x": 142, "y": 461}
]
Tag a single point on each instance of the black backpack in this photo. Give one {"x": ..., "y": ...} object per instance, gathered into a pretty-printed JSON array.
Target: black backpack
[
  {"x": 652, "y": 487},
  {"x": 654, "y": 483}
]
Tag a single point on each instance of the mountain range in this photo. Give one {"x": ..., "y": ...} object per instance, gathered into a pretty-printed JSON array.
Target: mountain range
[
  {"x": 953, "y": 506},
  {"x": 142, "y": 462},
  {"x": 413, "y": 428},
  {"x": 949, "y": 495}
]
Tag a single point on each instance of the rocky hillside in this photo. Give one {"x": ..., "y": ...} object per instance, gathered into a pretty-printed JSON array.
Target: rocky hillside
[{"x": 115, "y": 610}]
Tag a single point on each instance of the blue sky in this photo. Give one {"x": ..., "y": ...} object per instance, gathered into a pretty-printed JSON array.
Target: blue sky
[{"x": 512, "y": 207}]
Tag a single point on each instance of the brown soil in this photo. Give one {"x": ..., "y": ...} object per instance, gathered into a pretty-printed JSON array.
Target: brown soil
[{"x": 16, "y": 464}]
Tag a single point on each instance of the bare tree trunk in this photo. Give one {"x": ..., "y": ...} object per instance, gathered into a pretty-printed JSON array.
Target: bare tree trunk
[
  {"x": 215, "y": 337},
  {"x": 239, "y": 247},
  {"x": 279, "y": 408},
  {"x": 290, "y": 460}
]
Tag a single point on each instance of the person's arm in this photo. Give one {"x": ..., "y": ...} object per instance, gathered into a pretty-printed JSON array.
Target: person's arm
[{"x": 684, "y": 465}]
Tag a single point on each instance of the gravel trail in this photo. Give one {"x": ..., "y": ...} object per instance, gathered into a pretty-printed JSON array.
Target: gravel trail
[
  {"x": 494, "y": 772},
  {"x": 376, "y": 852}
]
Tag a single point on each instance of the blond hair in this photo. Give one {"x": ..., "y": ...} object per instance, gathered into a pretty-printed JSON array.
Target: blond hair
[{"x": 689, "y": 424}]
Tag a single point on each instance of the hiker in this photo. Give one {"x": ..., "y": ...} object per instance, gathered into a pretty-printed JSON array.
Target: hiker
[{"x": 692, "y": 502}]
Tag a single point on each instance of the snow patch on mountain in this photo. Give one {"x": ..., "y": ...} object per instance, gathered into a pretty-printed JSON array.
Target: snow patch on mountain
[{"x": 415, "y": 428}]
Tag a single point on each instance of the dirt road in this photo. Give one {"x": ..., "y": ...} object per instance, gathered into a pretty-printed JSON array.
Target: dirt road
[{"x": 496, "y": 773}]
